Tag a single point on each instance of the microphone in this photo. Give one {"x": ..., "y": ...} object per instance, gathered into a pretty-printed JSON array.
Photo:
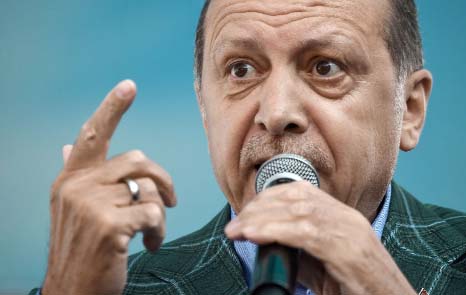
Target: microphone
[{"x": 276, "y": 266}]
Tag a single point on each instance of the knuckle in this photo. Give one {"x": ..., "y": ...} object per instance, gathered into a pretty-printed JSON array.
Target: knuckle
[
  {"x": 302, "y": 186},
  {"x": 154, "y": 213},
  {"x": 113, "y": 235},
  {"x": 307, "y": 229},
  {"x": 107, "y": 223},
  {"x": 55, "y": 190},
  {"x": 64, "y": 191},
  {"x": 292, "y": 192},
  {"x": 148, "y": 186},
  {"x": 121, "y": 242},
  {"x": 88, "y": 133},
  {"x": 137, "y": 157},
  {"x": 297, "y": 191},
  {"x": 300, "y": 209},
  {"x": 71, "y": 193},
  {"x": 114, "y": 106}
]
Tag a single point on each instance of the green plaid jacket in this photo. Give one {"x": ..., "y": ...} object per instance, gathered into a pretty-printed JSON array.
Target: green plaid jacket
[{"x": 427, "y": 242}]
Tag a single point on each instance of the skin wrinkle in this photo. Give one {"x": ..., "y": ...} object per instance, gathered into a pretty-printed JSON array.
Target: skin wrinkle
[
  {"x": 363, "y": 50},
  {"x": 240, "y": 94},
  {"x": 230, "y": 18},
  {"x": 362, "y": 65},
  {"x": 333, "y": 42},
  {"x": 269, "y": 50},
  {"x": 259, "y": 9},
  {"x": 222, "y": 52}
]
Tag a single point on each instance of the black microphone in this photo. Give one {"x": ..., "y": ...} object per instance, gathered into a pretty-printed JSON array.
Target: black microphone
[{"x": 276, "y": 266}]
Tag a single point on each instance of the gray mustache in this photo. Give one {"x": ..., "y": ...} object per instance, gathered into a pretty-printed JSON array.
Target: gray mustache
[{"x": 263, "y": 147}]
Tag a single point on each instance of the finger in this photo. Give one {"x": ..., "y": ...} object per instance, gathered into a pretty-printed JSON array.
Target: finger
[
  {"x": 292, "y": 234},
  {"x": 297, "y": 199},
  {"x": 292, "y": 191},
  {"x": 93, "y": 141},
  {"x": 66, "y": 151},
  {"x": 278, "y": 213},
  {"x": 135, "y": 165},
  {"x": 148, "y": 218},
  {"x": 148, "y": 193},
  {"x": 153, "y": 238},
  {"x": 284, "y": 194}
]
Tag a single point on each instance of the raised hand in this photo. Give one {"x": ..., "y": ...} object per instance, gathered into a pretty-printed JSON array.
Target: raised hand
[{"x": 93, "y": 216}]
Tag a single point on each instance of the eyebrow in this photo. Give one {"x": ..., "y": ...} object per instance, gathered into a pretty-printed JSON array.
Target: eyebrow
[
  {"x": 341, "y": 44},
  {"x": 308, "y": 44},
  {"x": 249, "y": 44}
]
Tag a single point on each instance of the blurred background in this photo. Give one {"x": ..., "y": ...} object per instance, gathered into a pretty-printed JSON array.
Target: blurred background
[{"x": 58, "y": 59}]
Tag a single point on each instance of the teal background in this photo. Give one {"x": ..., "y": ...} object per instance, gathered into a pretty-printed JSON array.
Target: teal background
[{"x": 59, "y": 58}]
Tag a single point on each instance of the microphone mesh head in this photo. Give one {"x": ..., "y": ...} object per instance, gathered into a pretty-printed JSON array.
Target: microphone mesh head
[{"x": 286, "y": 163}]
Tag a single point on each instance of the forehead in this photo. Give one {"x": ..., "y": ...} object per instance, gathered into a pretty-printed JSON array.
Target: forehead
[{"x": 286, "y": 19}]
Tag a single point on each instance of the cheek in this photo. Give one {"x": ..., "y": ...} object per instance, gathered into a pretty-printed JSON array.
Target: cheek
[
  {"x": 228, "y": 123},
  {"x": 375, "y": 141},
  {"x": 358, "y": 130},
  {"x": 218, "y": 143}
]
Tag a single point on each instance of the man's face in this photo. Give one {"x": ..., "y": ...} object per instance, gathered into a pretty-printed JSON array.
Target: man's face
[{"x": 308, "y": 77}]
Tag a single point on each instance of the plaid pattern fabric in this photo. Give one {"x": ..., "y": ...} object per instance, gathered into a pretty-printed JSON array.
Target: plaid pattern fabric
[
  {"x": 203, "y": 262},
  {"x": 427, "y": 242}
]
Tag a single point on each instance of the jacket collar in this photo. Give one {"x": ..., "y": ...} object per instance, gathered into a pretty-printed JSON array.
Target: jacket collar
[
  {"x": 203, "y": 262},
  {"x": 423, "y": 240}
]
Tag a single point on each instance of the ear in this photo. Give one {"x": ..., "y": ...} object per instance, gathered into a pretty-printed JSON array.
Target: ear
[
  {"x": 417, "y": 92},
  {"x": 200, "y": 102}
]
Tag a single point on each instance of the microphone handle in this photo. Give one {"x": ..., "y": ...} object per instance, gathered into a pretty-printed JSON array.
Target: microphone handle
[{"x": 275, "y": 270}]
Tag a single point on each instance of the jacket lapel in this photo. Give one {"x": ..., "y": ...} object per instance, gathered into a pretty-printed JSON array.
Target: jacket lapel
[
  {"x": 423, "y": 243},
  {"x": 203, "y": 262}
]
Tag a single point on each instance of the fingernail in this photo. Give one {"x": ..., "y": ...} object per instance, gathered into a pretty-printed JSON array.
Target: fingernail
[{"x": 125, "y": 89}]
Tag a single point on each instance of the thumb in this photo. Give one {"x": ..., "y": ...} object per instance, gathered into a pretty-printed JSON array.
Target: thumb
[{"x": 66, "y": 151}]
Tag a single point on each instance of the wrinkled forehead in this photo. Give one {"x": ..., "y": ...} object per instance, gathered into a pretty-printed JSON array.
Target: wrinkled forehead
[{"x": 363, "y": 17}]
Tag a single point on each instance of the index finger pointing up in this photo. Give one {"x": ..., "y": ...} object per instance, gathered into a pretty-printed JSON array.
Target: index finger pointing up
[{"x": 93, "y": 141}]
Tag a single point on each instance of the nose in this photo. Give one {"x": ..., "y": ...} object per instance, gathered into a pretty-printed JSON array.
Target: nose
[{"x": 282, "y": 107}]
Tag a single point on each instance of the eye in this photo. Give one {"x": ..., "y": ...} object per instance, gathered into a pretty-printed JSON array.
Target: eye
[
  {"x": 242, "y": 70},
  {"x": 326, "y": 68}
]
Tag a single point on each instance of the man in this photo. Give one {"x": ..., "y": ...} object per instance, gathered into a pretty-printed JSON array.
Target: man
[{"x": 340, "y": 83}]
